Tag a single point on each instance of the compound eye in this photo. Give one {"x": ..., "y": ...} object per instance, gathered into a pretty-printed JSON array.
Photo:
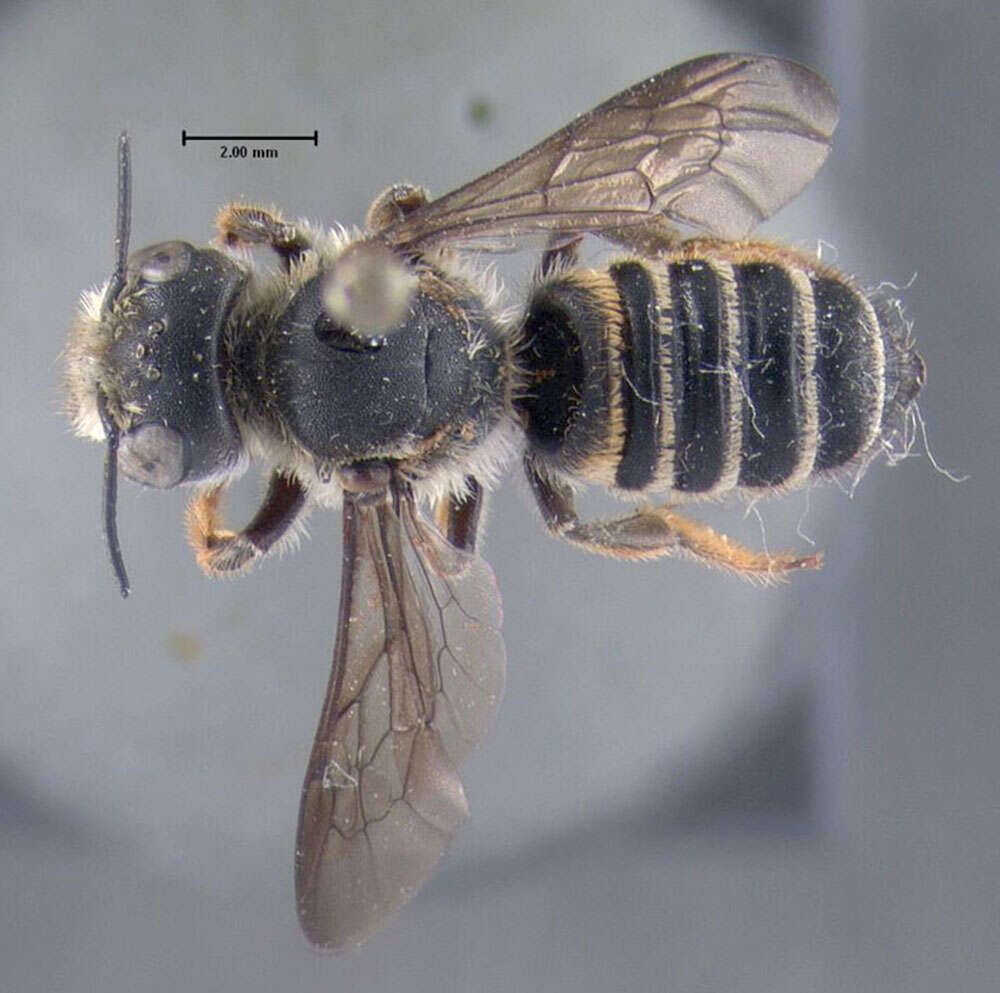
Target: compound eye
[
  {"x": 161, "y": 263},
  {"x": 152, "y": 455}
]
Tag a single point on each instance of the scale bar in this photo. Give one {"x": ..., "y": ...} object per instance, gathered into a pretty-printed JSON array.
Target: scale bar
[{"x": 185, "y": 137}]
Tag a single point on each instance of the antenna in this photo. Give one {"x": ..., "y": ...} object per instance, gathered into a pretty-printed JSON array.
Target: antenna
[
  {"x": 123, "y": 223},
  {"x": 123, "y": 218}
]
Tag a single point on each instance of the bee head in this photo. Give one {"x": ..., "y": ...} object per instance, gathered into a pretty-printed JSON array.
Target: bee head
[
  {"x": 163, "y": 364},
  {"x": 145, "y": 364}
]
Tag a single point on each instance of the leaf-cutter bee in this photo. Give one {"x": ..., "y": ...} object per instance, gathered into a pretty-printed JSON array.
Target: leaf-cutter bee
[{"x": 375, "y": 371}]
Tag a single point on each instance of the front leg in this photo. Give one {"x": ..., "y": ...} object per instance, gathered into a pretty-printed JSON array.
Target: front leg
[
  {"x": 244, "y": 225},
  {"x": 652, "y": 532},
  {"x": 222, "y": 552}
]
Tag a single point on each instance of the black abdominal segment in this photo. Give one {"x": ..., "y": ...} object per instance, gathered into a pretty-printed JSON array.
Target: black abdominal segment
[
  {"x": 847, "y": 359},
  {"x": 641, "y": 392},
  {"x": 701, "y": 398},
  {"x": 556, "y": 384},
  {"x": 771, "y": 375},
  {"x": 569, "y": 339},
  {"x": 740, "y": 367}
]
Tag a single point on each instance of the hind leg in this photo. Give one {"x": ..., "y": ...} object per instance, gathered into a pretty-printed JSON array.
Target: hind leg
[{"x": 651, "y": 532}]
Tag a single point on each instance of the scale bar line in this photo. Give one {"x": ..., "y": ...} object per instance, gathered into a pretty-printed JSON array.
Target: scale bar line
[{"x": 185, "y": 137}]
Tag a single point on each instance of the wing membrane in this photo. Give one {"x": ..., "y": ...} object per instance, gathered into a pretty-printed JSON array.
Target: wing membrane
[
  {"x": 717, "y": 143},
  {"x": 417, "y": 677}
]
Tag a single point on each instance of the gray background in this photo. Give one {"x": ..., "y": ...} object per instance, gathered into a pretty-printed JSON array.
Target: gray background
[{"x": 693, "y": 784}]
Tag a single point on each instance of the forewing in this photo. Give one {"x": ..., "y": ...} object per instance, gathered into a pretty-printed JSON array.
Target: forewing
[
  {"x": 417, "y": 678},
  {"x": 717, "y": 143}
]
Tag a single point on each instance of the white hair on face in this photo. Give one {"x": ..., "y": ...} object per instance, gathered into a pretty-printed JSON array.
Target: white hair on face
[{"x": 83, "y": 361}]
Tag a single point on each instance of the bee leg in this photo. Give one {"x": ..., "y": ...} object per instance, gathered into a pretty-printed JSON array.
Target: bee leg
[
  {"x": 458, "y": 518},
  {"x": 393, "y": 204},
  {"x": 703, "y": 543},
  {"x": 654, "y": 531},
  {"x": 219, "y": 551},
  {"x": 241, "y": 225}
]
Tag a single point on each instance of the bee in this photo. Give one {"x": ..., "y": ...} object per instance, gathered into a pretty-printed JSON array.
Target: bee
[{"x": 375, "y": 371}]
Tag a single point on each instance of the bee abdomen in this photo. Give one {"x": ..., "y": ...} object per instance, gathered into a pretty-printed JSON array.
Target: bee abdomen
[{"x": 717, "y": 366}]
